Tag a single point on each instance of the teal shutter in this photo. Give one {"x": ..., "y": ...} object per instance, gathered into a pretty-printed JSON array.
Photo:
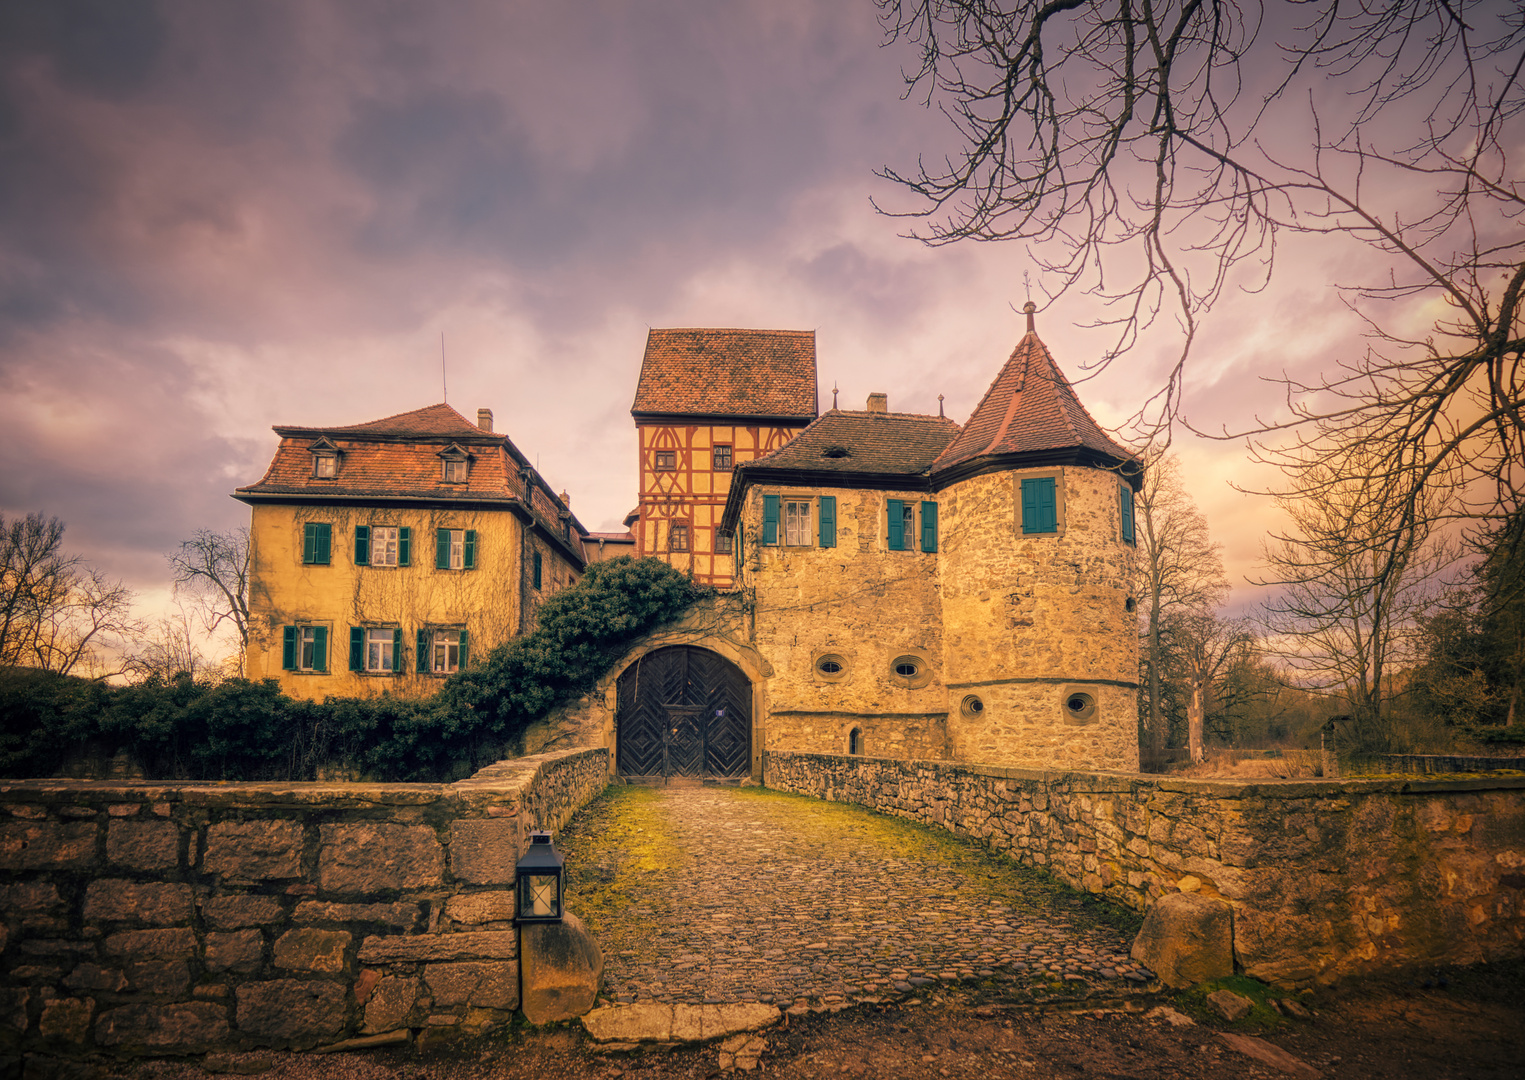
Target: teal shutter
[
  {"x": 362, "y": 545},
  {"x": 320, "y": 648},
  {"x": 442, "y": 549},
  {"x": 536, "y": 576},
  {"x": 770, "y": 519},
  {"x": 828, "y": 521},
  {"x": 325, "y": 531},
  {"x": 1039, "y": 510},
  {"x": 1127, "y": 509},
  {"x": 397, "y": 649},
  {"x": 423, "y": 652},
  {"x": 357, "y": 648},
  {"x": 469, "y": 556},
  {"x": 289, "y": 648},
  {"x": 309, "y": 543},
  {"x": 463, "y": 650},
  {"x": 929, "y": 526},
  {"x": 404, "y": 545},
  {"x": 896, "y": 534}
]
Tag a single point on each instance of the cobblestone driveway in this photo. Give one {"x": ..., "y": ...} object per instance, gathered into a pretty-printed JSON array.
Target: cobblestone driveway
[{"x": 715, "y": 894}]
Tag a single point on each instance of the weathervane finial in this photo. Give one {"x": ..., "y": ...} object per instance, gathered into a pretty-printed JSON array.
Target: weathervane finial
[
  {"x": 939, "y": 406},
  {"x": 833, "y": 394}
]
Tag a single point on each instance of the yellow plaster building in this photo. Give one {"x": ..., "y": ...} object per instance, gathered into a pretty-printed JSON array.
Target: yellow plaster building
[{"x": 384, "y": 555}]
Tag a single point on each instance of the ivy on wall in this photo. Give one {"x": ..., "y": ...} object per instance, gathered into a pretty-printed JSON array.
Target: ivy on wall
[{"x": 242, "y": 730}]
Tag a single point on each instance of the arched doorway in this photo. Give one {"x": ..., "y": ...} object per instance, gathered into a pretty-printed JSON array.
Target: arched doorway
[{"x": 683, "y": 711}]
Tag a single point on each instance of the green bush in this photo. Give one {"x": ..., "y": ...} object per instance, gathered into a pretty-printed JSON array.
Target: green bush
[{"x": 242, "y": 730}]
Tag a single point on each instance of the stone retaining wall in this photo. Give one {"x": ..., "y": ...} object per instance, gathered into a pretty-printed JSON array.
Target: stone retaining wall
[
  {"x": 1328, "y": 879},
  {"x": 1429, "y": 764},
  {"x": 179, "y": 918}
]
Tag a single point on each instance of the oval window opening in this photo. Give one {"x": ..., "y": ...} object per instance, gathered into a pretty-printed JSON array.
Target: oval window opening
[
  {"x": 972, "y": 707},
  {"x": 829, "y": 667},
  {"x": 906, "y": 669},
  {"x": 1080, "y": 707}
]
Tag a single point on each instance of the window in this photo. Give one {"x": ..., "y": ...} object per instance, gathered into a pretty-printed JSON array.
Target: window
[
  {"x": 797, "y": 531},
  {"x": 677, "y": 537},
  {"x": 325, "y": 466},
  {"x": 667, "y": 460},
  {"x": 1127, "y": 514},
  {"x": 304, "y": 648},
  {"x": 972, "y": 707},
  {"x": 855, "y": 741},
  {"x": 455, "y": 470},
  {"x": 722, "y": 544},
  {"x": 1079, "y": 707},
  {"x": 1040, "y": 505},
  {"x": 831, "y": 667},
  {"x": 911, "y": 670},
  {"x": 441, "y": 652},
  {"x": 375, "y": 649},
  {"x": 316, "y": 536},
  {"x": 536, "y": 571},
  {"x": 720, "y": 458},
  {"x": 455, "y": 549},
  {"x": 383, "y": 545}
]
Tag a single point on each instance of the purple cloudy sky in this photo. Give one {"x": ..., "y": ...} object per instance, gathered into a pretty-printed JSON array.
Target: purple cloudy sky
[{"x": 219, "y": 217}]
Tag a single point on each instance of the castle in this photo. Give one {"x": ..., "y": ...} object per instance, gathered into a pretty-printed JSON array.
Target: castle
[{"x": 889, "y": 584}]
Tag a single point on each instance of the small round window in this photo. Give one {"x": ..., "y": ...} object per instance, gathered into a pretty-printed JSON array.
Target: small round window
[
  {"x": 972, "y": 707},
  {"x": 832, "y": 667},
  {"x": 1079, "y": 707},
  {"x": 907, "y": 669},
  {"x": 911, "y": 670}
]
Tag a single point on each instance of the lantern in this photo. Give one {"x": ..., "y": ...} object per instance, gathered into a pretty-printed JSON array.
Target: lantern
[{"x": 538, "y": 879}]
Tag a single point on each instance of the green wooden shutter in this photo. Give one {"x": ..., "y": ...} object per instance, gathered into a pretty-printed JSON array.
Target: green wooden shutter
[
  {"x": 469, "y": 555},
  {"x": 770, "y": 519},
  {"x": 1127, "y": 509},
  {"x": 535, "y": 578},
  {"x": 442, "y": 549},
  {"x": 1039, "y": 509},
  {"x": 1048, "y": 510},
  {"x": 320, "y": 648},
  {"x": 828, "y": 521},
  {"x": 309, "y": 543},
  {"x": 463, "y": 650},
  {"x": 362, "y": 545},
  {"x": 325, "y": 537},
  {"x": 397, "y": 649},
  {"x": 896, "y": 533},
  {"x": 357, "y": 648},
  {"x": 404, "y": 545},
  {"x": 929, "y": 526},
  {"x": 289, "y": 648},
  {"x": 423, "y": 652}
]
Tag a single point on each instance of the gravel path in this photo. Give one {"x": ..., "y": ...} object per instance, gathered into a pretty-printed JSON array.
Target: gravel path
[{"x": 718, "y": 895}]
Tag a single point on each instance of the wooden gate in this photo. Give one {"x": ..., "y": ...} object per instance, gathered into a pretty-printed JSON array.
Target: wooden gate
[{"x": 686, "y": 712}]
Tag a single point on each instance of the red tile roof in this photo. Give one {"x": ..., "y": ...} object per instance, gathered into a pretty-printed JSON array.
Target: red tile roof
[
  {"x": 1030, "y": 408},
  {"x": 431, "y": 422},
  {"x": 699, "y": 372},
  {"x": 856, "y": 443}
]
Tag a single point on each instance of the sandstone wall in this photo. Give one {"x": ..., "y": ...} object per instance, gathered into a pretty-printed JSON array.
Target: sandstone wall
[
  {"x": 173, "y": 919},
  {"x": 1031, "y": 620},
  {"x": 1328, "y": 879}
]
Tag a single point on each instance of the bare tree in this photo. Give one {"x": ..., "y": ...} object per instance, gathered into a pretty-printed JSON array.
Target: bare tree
[
  {"x": 1156, "y": 154},
  {"x": 1180, "y": 570},
  {"x": 214, "y": 569},
  {"x": 1205, "y": 648},
  {"x": 169, "y": 649},
  {"x": 33, "y": 575}
]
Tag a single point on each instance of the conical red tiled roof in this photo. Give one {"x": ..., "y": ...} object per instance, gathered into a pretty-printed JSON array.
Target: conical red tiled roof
[
  {"x": 432, "y": 421},
  {"x": 1030, "y": 409}
]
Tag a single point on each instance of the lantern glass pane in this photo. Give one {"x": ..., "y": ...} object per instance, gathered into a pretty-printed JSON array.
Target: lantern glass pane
[{"x": 540, "y": 894}]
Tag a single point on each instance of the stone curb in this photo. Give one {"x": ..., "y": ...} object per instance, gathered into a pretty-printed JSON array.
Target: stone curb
[{"x": 658, "y": 1023}]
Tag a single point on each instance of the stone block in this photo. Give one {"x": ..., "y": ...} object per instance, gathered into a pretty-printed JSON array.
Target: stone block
[
  {"x": 185, "y": 1026},
  {"x": 484, "y": 852},
  {"x": 309, "y": 949},
  {"x": 47, "y": 845},
  {"x": 369, "y": 858},
  {"x": 95, "y": 977},
  {"x": 485, "y": 985},
  {"x": 236, "y": 912},
  {"x": 402, "y": 916},
  {"x": 139, "y": 945},
  {"x": 476, "y": 945},
  {"x": 254, "y": 850},
  {"x": 167, "y": 978},
  {"x": 562, "y": 968},
  {"x": 13, "y": 1003},
  {"x": 30, "y": 898},
  {"x": 290, "y": 1011},
  {"x": 390, "y": 1004},
  {"x": 472, "y": 908},
  {"x": 1229, "y": 1005},
  {"x": 66, "y": 1019},
  {"x": 143, "y": 845},
  {"x": 1186, "y": 939},
  {"x": 238, "y": 951},
  {"x": 145, "y": 902}
]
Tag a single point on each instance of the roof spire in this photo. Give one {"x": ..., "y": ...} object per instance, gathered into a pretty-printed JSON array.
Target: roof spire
[
  {"x": 1028, "y": 309},
  {"x": 833, "y": 393},
  {"x": 939, "y": 406}
]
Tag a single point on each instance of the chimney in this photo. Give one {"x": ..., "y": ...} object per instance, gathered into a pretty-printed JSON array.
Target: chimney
[
  {"x": 566, "y": 500},
  {"x": 484, "y": 419},
  {"x": 879, "y": 403}
]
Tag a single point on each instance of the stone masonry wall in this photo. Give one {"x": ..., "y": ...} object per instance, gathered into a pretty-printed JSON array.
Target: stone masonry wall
[
  {"x": 175, "y": 919},
  {"x": 1328, "y": 880}
]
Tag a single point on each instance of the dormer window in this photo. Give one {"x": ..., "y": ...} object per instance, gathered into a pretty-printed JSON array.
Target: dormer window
[
  {"x": 325, "y": 459},
  {"x": 455, "y": 464}
]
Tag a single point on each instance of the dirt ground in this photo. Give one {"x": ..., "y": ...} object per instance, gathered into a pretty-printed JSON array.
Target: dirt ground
[{"x": 1460, "y": 1024}]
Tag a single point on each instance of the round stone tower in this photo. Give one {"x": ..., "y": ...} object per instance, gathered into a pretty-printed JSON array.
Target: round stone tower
[{"x": 1040, "y": 636}]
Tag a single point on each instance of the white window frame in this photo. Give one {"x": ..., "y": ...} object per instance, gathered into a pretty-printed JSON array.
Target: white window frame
[
  {"x": 325, "y": 466},
  {"x": 457, "y": 549},
  {"x": 455, "y": 470},
  {"x": 379, "y": 643},
  {"x": 796, "y": 526},
  {"x": 384, "y": 545},
  {"x": 444, "y": 651}
]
